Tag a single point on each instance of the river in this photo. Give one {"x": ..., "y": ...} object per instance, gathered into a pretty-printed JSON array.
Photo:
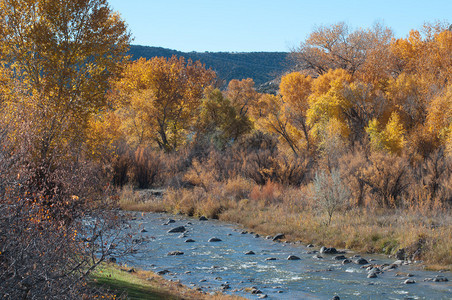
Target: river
[{"x": 225, "y": 266}]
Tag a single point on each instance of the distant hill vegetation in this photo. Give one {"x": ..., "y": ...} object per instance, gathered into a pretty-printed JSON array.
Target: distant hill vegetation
[{"x": 262, "y": 67}]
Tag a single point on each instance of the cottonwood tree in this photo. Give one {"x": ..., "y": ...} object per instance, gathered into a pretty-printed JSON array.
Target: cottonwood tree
[
  {"x": 62, "y": 53},
  {"x": 159, "y": 99},
  {"x": 337, "y": 46}
]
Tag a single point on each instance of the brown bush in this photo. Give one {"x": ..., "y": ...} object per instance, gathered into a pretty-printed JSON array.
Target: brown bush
[
  {"x": 388, "y": 177},
  {"x": 147, "y": 168}
]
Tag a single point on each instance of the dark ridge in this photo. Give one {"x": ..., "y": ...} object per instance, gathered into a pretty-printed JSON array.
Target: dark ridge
[{"x": 262, "y": 67}]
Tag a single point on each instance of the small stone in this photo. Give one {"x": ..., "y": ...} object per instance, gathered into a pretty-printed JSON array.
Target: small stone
[
  {"x": 409, "y": 281},
  {"x": 326, "y": 250},
  {"x": 190, "y": 241},
  {"x": 163, "y": 272},
  {"x": 131, "y": 270},
  {"x": 293, "y": 257},
  {"x": 268, "y": 237},
  {"x": 256, "y": 235},
  {"x": 361, "y": 261},
  {"x": 244, "y": 232},
  {"x": 279, "y": 236},
  {"x": 270, "y": 258},
  {"x": 336, "y": 298},
  {"x": 317, "y": 256},
  {"x": 187, "y": 272},
  {"x": 346, "y": 261},
  {"x": 170, "y": 221},
  {"x": 339, "y": 257},
  {"x": 172, "y": 253},
  {"x": 203, "y": 218},
  {"x": 372, "y": 275},
  {"x": 310, "y": 246},
  {"x": 177, "y": 229},
  {"x": 214, "y": 239},
  {"x": 250, "y": 253},
  {"x": 143, "y": 230},
  {"x": 263, "y": 296},
  {"x": 256, "y": 291}
]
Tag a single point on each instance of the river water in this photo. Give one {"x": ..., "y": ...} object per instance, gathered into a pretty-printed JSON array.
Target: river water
[{"x": 213, "y": 265}]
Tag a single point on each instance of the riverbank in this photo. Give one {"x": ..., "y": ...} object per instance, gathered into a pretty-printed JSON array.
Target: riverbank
[
  {"x": 132, "y": 283},
  {"x": 417, "y": 235}
]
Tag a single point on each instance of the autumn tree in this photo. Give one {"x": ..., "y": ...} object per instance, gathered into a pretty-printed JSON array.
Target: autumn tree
[
  {"x": 62, "y": 54},
  {"x": 242, "y": 95},
  {"x": 275, "y": 119},
  {"x": 159, "y": 99},
  {"x": 219, "y": 121},
  {"x": 295, "y": 89},
  {"x": 338, "y": 47}
]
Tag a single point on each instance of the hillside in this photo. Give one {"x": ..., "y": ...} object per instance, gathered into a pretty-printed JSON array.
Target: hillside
[{"x": 262, "y": 67}]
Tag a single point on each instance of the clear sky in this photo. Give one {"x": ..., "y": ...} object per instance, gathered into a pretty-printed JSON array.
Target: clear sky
[{"x": 264, "y": 25}]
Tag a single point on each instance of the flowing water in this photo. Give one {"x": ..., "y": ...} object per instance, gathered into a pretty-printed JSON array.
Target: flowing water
[{"x": 213, "y": 265}]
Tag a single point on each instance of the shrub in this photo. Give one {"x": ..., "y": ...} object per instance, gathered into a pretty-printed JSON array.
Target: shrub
[{"x": 329, "y": 192}]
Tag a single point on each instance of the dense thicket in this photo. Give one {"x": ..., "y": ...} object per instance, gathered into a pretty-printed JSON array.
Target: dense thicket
[{"x": 385, "y": 101}]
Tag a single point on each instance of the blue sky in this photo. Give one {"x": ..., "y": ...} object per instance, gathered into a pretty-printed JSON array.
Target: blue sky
[{"x": 264, "y": 25}]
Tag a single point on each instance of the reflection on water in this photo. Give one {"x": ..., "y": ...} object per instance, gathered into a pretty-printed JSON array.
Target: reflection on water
[{"x": 212, "y": 265}]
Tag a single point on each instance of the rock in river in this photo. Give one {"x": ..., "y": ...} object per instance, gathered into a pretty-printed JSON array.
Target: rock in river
[
  {"x": 190, "y": 241},
  {"x": 293, "y": 257},
  {"x": 203, "y": 218},
  {"x": 214, "y": 239},
  {"x": 326, "y": 250},
  {"x": 250, "y": 253},
  {"x": 175, "y": 253},
  {"x": 279, "y": 236},
  {"x": 177, "y": 229},
  {"x": 361, "y": 261}
]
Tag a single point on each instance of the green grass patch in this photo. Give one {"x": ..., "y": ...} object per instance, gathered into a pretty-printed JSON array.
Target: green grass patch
[{"x": 127, "y": 285}]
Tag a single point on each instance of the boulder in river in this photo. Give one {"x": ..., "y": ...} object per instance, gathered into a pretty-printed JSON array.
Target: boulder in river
[
  {"x": 361, "y": 261},
  {"x": 346, "y": 261},
  {"x": 409, "y": 281},
  {"x": 203, "y": 218},
  {"x": 214, "y": 239},
  {"x": 293, "y": 257},
  {"x": 326, "y": 250},
  {"x": 175, "y": 253},
  {"x": 372, "y": 275},
  {"x": 279, "y": 236},
  {"x": 250, "y": 253},
  {"x": 163, "y": 272},
  {"x": 339, "y": 257},
  {"x": 336, "y": 298},
  {"x": 177, "y": 229}
]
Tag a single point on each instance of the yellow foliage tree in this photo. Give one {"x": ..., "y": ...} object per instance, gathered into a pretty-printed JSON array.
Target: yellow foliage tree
[
  {"x": 276, "y": 120},
  {"x": 295, "y": 89},
  {"x": 159, "y": 99},
  {"x": 391, "y": 138},
  {"x": 439, "y": 117},
  {"x": 61, "y": 54}
]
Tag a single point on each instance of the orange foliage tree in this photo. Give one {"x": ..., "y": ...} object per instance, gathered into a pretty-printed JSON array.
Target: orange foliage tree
[{"x": 159, "y": 99}]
